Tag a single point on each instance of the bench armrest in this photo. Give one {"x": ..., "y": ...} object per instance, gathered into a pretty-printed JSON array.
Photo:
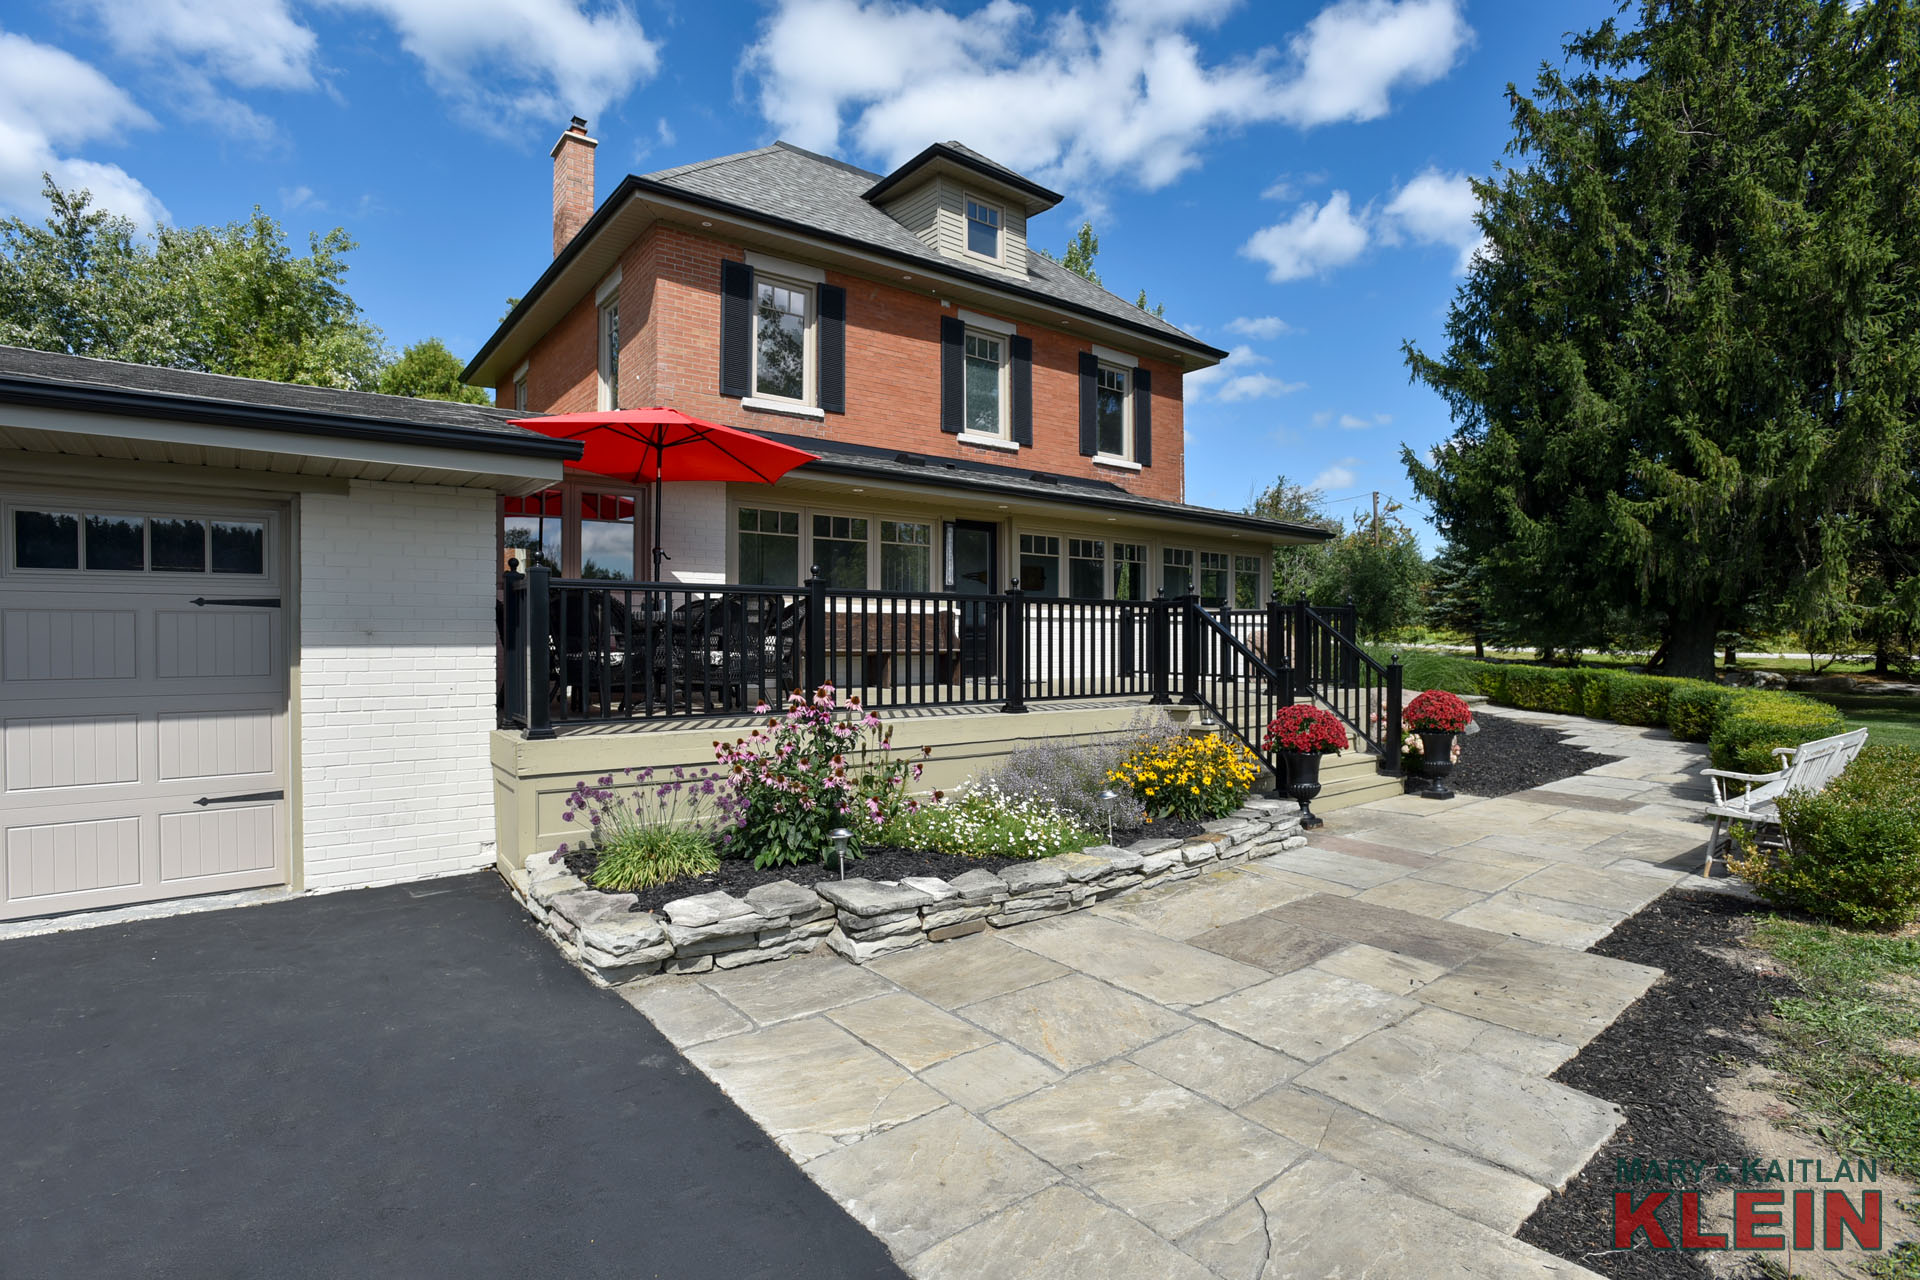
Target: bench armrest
[{"x": 1720, "y": 777}]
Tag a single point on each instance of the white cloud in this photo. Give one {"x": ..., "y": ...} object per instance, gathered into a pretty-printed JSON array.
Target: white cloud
[
  {"x": 1436, "y": 208},
  {"x": 1259, "y": 326},
  {"x": 505, "y": 62},
  {"x": 1354, "y": 422},
  {"x": 293, "y": 199},
  {"x": 1315, "y": 239},
  {"x": 1232, "y": 380},
  {"x": 1340, "y": 475},
  {"x": 51, "y": 102},
  {"x": 255, "y": 44},
  {"x": 1125, "y": 95},
  {"x": 1354, "y": 54}
]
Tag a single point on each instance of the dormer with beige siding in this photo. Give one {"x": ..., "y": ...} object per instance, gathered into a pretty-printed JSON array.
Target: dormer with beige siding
[{"x": 964, "y": 207}]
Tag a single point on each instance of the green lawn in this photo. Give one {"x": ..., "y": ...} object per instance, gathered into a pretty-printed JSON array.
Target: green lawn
[
  {"x": 1847, "y": 1044},
  {"x": 1893, "y": 721}
]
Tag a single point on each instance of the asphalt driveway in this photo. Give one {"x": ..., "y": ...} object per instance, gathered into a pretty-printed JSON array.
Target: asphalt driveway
[{"x": 392, "y": 1082}]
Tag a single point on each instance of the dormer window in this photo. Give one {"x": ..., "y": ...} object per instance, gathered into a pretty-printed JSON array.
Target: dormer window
[{"x": 983, "y": 229}]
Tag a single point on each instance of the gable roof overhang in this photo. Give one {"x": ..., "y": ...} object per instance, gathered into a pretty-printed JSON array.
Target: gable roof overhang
[
  {"x": 637, "y": 203},
  {"x": 55, "y": 406},
  {"x": 971, "y": 167}
]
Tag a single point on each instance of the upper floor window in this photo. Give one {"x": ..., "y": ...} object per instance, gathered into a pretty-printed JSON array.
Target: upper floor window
[
  {"x": 783, "y": 321},
  {"x": 1113, "y": 412},
  {"x": 610, "y": 354},
  {"x": 986, "y": 399},
  {"x": 983, "y": 229},
  {"x": 520, "y": 393}
]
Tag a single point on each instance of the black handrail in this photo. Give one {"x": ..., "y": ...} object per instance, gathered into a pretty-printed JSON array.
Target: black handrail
[
  {"x": 1332, "y": 669},
  {"x": 1243, "y": 690}
]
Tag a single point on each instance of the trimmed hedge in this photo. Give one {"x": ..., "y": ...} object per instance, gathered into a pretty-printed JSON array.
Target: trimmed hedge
[
  {"x": 1742, "y": 725},
  {"x": 1855, "y": 847},
  {"x": 1756, "y": 721}
]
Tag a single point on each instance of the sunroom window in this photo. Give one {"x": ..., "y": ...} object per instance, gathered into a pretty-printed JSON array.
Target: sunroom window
[
  {"x": 769, "y": 547},
  {"x": 1039, "y": 564},
  {"x": 1213, "y": 578},
  {"x": 1086, "y": 568},
  {"x": 1246, "y": 582},
  {"x": 840, "y": 549},
  {"x": 1176, "y": 571},
  {"x": 906, "y": 555},
  {"x": 1129, "y": 571}
]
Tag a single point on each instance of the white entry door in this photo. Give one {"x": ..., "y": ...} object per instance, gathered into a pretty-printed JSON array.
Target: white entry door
[{"x": 143, "y": 696}]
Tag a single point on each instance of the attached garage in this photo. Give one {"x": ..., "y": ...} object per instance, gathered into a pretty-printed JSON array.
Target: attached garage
[{"x": 246, "y": 632}]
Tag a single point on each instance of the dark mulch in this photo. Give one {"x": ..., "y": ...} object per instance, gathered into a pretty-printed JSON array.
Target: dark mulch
[
  {"x": 1511, "y": 755},
  {"x": 1693, "y": 1028},
  {"x": 737, "y": 875}
]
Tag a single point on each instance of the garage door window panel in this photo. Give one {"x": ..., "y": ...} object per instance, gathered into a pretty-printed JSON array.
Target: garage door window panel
[
  {"x": 178, "y": 545},
  {"x": 46, "y": 540}
]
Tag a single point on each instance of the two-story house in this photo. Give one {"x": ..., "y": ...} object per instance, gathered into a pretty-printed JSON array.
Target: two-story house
[{"x": 983, "y": 416}]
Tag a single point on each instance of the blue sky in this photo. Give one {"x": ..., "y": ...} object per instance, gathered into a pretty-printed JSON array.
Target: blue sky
[{"x": 1287, "y": 178}]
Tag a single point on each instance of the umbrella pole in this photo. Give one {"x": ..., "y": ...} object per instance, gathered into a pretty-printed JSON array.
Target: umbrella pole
[{"x": 658, "y": 553}]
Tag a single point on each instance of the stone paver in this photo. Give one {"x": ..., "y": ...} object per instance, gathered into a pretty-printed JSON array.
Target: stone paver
[
  {"x": 919, "y": 1183},
  {"x": 1329, "y": 1061},
  {"x": 1130, "y": 1137},
  {"x": 1075, "y": 1021}
]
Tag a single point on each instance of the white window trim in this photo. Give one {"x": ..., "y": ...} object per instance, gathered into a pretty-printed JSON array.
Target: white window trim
[
  {"x": 790, "y": 408},
  {"x": 604, "y": 398},
  {"x": 1000, "y": 227},
  {"x": 520, "y": 374},
  {"x": 809, "y": 391},
  {"x": 1004, "y": 438},
  {"x": 761, "y": 262},
  {"x": 606, "y": 288},
  {"x": 989, "y": 442},
  {"x": 1107, "y": 355},
  {"x": 990, "y": 324},
  {"x": 1117, "y": 463}
]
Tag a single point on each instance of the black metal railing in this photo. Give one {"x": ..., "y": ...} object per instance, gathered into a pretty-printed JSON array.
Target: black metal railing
[
  {"x": 583, "y": 651},
  {"x": 1238, "y": 683},
  {"x": 1330, "y": 667}
]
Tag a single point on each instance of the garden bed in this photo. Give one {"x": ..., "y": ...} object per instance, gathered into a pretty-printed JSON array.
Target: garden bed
[
  {"x": 737, "y": 875},
  {"x": 1511, "y": 755},
  {"x": 794, "y": 910},
  {"x": 1664, "y": 1061}
]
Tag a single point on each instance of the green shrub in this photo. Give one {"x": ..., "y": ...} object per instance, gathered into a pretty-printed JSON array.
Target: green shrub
[
  {"x": 1642, "y": 700},
  {"x": 1694, "y": 708},
  {"x": 1855, "y": 847},
  {"x": 1438, "y": 671},
  {"x": 1541, "y": 689},
  {"x": 1755, "y": 721},
  {"x": 1596, "y": 695},
  {"x": 1490, "y": 681}
]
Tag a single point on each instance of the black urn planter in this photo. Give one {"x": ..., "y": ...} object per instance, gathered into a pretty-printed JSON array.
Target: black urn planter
[
  {"x": 1436, "y": 762},
  {"x": 1303, "y": 783}
]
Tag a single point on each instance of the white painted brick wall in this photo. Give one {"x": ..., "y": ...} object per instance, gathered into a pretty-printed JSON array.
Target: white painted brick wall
[
  {"x": 396, "y": 683},
  {"x": 693, "y": 530}
]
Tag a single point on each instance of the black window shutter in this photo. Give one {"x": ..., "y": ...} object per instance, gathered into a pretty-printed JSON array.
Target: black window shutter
[
  {"x": 1089, "y": 391},
  {"x": 1022, "y": 351},
  {"x": 832, "y": 344},
  {"x": 1143, "y": 417},
  {"x": 953, "y": 338},
  {"x": 736, "y": 329}
]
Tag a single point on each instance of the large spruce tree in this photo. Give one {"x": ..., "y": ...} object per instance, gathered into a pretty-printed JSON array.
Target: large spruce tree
[{"x": 1685, "y": 371}]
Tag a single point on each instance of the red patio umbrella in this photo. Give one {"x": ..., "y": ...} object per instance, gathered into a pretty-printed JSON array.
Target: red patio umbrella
[{"x": 657, "y": 445}]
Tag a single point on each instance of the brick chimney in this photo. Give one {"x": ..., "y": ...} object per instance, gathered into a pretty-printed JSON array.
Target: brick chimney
[{"x": 572, "y": 183}]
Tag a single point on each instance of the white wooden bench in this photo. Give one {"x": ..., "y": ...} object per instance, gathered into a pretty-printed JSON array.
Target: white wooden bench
[{"x": 1808, "y": 767}]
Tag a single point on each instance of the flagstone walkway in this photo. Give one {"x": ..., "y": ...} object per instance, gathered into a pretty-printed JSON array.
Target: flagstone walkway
[{"x": 1332, "y": 1061}]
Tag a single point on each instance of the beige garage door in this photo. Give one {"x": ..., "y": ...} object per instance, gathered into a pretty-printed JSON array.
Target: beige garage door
[{"x": 143, "y": 694}]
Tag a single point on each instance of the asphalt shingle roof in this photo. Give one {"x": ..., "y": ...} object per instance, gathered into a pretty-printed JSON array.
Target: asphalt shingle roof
[
  {"x": 784, "y": 181},
  {"x": 27, "y": 375}
]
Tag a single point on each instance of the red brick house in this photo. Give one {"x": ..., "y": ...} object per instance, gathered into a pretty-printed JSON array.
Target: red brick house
[{"x": 982, "y": 414}]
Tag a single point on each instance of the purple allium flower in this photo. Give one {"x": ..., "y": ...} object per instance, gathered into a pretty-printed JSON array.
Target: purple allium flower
[{"x": 567, "y": 816}]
